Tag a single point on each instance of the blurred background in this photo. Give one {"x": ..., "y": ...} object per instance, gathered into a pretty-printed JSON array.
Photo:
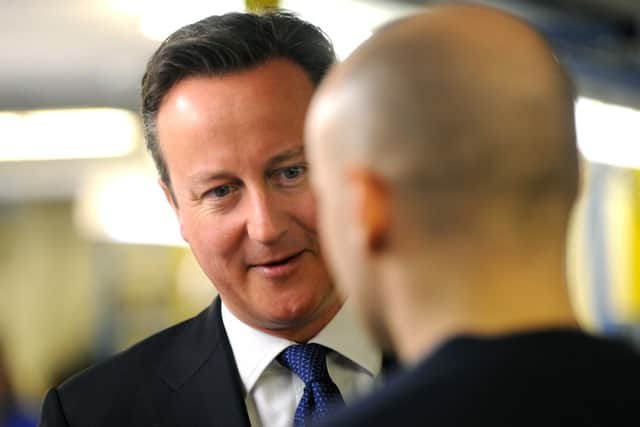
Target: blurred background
[{"x": 90, "y": 255}]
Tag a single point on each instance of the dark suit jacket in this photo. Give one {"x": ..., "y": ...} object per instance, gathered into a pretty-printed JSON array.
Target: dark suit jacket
[
  {"x": 183, "y": 376},
  {"x": 545, "y": 378}
]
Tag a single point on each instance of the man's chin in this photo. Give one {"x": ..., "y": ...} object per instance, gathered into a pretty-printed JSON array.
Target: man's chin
[
  {"x": 300, "y": 322},
  {"x": 290, "y": 318}
]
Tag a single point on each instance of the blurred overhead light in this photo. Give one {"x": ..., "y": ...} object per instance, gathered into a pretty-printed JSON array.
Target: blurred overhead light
[
  {"x": 162, "y": 18},
  {"x": 129, "y": 7},
  {"x": 608, "y": 133},
  {"x": 347, "y": 22},
  {"x": 67, "y": 134},
  {"x": 126, "y": 206}
]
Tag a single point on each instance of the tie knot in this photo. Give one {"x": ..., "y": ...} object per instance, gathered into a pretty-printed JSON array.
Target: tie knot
[{"x": 307, "y": 361}]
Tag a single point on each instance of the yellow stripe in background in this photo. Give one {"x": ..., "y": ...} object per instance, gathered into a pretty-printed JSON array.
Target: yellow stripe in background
[
  {"x": 623, "y": 230},
  {"x": 634, "y": 234},
  {"x": 619, "y": 301},
  {"x": 617, "y": 206},
  {"x": 260, "y": 6}
]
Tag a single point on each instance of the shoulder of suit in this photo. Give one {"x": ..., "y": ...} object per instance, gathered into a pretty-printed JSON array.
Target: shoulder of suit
[{"x": 139, "y": 361}]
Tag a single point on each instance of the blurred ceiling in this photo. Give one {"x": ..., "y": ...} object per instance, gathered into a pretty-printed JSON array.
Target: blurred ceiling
[
  {"x": 69, "y": 53},
  {"x": 599, "y": 41},
  {"x": 90, "y": 52},
  {"x": 74, "y": 53}
]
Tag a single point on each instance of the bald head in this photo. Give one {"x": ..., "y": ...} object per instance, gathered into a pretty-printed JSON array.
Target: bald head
[
  {"x": 462, "y": 101},
  {"x": 444, "y": 160}
]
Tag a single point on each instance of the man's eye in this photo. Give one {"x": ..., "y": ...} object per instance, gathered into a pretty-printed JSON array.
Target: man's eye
[
  {"x": 221, "y": 191},
  {"x": 293, "y": 172}
]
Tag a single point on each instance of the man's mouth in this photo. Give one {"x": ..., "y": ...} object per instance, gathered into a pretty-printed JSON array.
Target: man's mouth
[
  {"x": 281, "y": 261},
  {"x": 278, "y": 267}
]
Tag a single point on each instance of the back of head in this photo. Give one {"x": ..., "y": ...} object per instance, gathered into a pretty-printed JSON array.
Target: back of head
[
  {"x": 462, "y": 109},
  {"x": 444, "y": 157},
  {"x": 228, "y": 43}
]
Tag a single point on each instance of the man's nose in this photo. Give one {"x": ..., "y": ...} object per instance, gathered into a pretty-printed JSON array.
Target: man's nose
[{"x": 267, "y": 221}]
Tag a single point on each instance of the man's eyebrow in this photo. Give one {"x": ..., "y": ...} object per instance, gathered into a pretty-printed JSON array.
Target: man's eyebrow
[
  {"x": 285, "y": 155},
  {"x": 205, "y": 176}
]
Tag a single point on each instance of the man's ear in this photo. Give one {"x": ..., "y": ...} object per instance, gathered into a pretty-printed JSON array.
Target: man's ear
[
  {"x": 372, "y": 208},
  {"x": 169, "y": 195}
]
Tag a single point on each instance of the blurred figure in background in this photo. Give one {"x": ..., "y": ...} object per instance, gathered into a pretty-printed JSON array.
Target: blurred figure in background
[
  {"x": 11, "y": 415},
  {"x": 444, "y": 159},
  {"x": 223, "y": 102}
]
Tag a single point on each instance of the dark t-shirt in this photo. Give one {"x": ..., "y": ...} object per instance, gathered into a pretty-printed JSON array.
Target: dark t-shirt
[{"x": 539, "y": 378}]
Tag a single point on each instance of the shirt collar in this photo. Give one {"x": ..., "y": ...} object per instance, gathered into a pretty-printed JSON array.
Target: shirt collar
[
  {"x": 254, "y": 350},
  {"x": 346, "y": 336}
]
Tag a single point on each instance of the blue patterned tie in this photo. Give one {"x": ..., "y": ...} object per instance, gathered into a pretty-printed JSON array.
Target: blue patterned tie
[{"x": 308, "y": 362}]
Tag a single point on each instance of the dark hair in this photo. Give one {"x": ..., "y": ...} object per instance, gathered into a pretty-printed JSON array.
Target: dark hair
[{"x": 223, "y": 44}]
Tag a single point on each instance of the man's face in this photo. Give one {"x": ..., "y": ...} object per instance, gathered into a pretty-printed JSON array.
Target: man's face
[{"x": 234, "y": 148}]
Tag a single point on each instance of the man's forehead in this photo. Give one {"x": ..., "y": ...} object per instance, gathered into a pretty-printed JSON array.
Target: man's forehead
[{"x": 269, "y": 76}]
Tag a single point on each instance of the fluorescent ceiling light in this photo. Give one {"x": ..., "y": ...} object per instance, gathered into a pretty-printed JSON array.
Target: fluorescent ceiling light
[
  {"x": 126, "y": 206},
  {"x": 608, "y": 133},
  {"x": 67, "y": 134},
  {"x": 347, "y": 22},
  {"x": 160, "y": 19}
]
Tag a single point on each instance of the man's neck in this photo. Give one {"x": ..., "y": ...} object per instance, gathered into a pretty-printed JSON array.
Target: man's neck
[{"x": 421, "y": 318}]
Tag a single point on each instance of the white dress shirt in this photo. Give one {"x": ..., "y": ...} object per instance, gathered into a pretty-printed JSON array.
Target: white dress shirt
[{"x": 273, "y": 391}]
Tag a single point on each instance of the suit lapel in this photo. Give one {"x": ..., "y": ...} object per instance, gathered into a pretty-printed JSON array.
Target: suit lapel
[{"x": 204, "y": 388}]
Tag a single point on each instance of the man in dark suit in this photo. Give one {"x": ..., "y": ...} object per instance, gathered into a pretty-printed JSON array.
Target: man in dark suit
[
  {"x": 445, "y": 168},
  {"x": 223, "y": 103}
]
